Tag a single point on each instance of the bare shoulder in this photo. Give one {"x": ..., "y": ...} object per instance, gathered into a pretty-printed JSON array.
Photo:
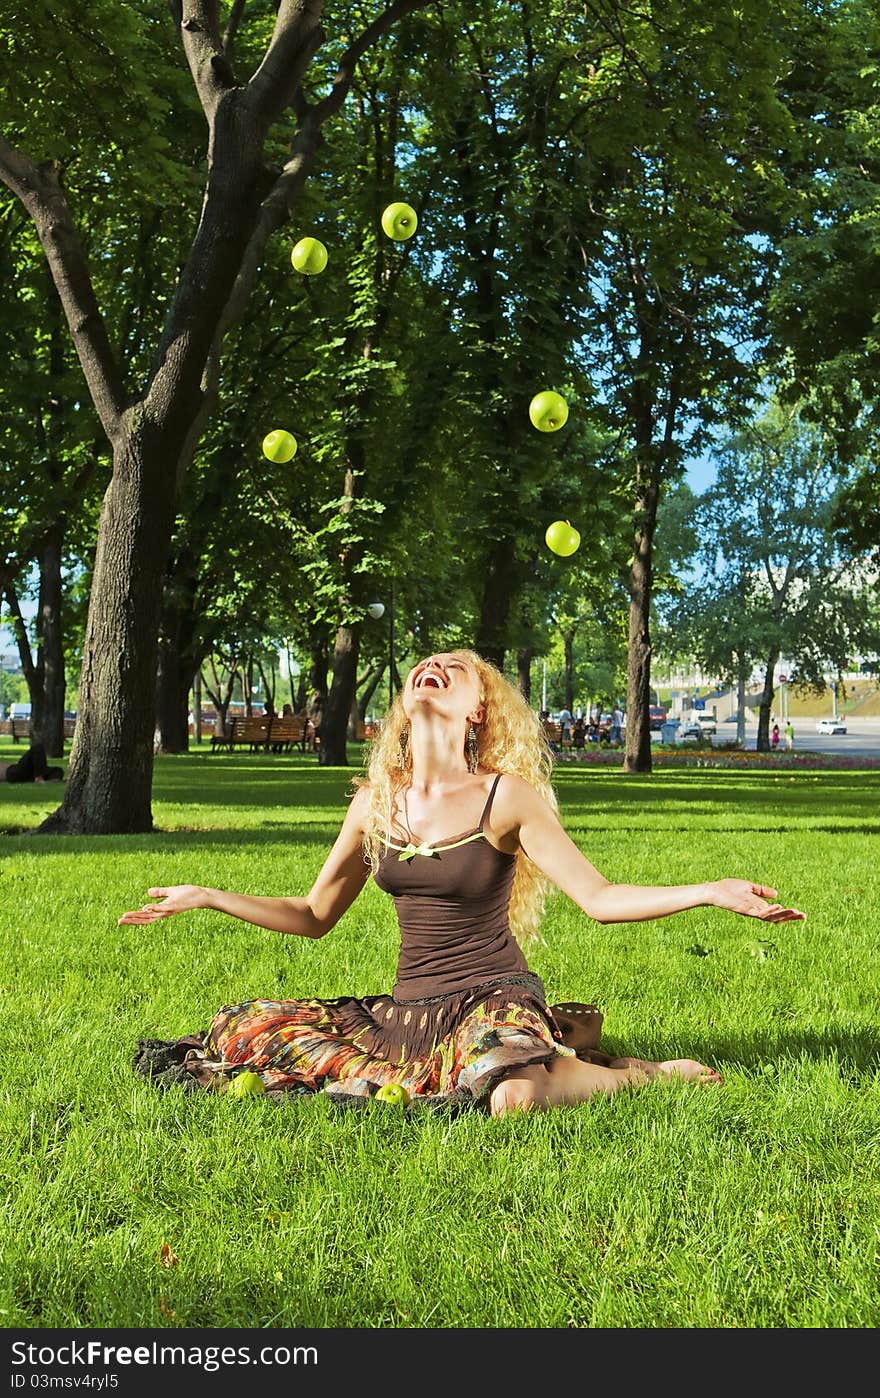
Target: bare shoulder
[
  {"x": 515, "y": 802},
  {"x": 359, "y": 804}
]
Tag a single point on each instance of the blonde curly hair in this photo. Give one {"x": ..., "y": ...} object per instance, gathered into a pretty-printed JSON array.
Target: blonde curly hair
[{"x": 510, "y": 739}]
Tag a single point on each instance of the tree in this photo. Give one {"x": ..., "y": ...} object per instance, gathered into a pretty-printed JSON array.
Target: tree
[
  {"x": 250, "y": 186},
  {"x": 688, "y": 190},
  {"x": 778, "y": 583}
]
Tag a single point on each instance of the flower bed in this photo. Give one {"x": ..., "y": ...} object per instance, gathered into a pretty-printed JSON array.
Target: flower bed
[{"x": 732, "y": 759}]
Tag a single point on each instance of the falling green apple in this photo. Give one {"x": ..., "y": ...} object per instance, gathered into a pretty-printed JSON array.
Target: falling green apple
[
  {"x": 400, "y": 221},
  {"x": 246, "y": 1084},
  {"x": 562, "y": 538},
  {"x": 279, "y": 445},
  {"x": 309, "y": 256},
  {"x": 394, "y": 1093},
  {"x": 548, "y": 411}
]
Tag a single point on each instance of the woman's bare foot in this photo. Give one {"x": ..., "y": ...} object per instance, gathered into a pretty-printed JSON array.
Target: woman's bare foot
[
  {"x": 686, "y": 1068},
  {"x": 690, "y": 1070}
]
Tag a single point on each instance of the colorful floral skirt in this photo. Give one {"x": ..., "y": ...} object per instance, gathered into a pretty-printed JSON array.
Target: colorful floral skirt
[{"x": 452, "y": 1048}]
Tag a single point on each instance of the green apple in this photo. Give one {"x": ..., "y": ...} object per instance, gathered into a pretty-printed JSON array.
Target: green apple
[
  {"x": 394, "y": 1093},
  {"x": 309, "y": 256},
  {"x": 562, "y": 538},
  {"x": 279, "y": 445},
  {"x": 548, "y": 411},
  {"x": 246, "y": 1084},
  {"x": 400, "y": 221}
]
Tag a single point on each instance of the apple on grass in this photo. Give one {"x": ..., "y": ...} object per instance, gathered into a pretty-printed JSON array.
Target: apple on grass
[
  {"x": 562, "y": 538},
  {"x": 309, "y": 256},
  {"x": 399, "y": 221},
  {"x": 548, "y": 411},
  {"x": 394, "y": 1093},
  {"x": 246, "y": 1084},
  {"x": 279, "y": 445}
]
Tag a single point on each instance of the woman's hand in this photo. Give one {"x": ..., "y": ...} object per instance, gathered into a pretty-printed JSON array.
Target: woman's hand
[
  {"x": 180, "y": 899},
  {"x": 741, "y": 896}
]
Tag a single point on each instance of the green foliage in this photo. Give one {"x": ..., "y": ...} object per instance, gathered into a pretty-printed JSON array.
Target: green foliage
[{"x": 777, "y": 580}]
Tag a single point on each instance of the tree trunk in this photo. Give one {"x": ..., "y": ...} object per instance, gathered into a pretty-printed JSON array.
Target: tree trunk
[
  {"x": 637, "y": 752},
  {"x": 368, "y": 691},
  {"x": 334, "y": 723},
  {"x": 319, "y": 666},
  {"x": 741, "y": 676},
  {"x": 111, "y": 762},
  {"x": 763, "y": 743},
  {"x": 524, "y": 673},
  {"x": 568, "y": 647},
  {"x": 299, "y": 702},
  {"x": 49, "y": 725},
  {"x": 497, "y": 600},
  {"x": 183, "y": 645},
  {"x": 174, "y": 680}
]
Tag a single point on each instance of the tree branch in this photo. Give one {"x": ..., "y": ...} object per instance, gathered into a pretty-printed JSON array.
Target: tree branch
[
  {"x": 212, "y": 75},
  {"x": 39, "y": 189},
  {"x": 232, "y": 24},
  {"x": 330, "y": 104},
  {"x": 21, "y": 637}
]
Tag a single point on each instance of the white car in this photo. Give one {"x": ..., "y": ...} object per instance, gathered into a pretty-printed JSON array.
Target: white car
[{"x": 830, "y": 725}]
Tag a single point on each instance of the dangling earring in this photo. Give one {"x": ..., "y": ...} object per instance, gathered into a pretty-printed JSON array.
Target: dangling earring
[
  {"x": 404, "y": 746},
  {"x": 473, "y": 760}
]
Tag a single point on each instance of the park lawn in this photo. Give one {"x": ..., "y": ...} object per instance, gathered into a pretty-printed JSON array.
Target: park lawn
[{"x": 756, "y": 1204}]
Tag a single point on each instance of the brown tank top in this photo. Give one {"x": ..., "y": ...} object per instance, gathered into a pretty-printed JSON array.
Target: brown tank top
[{"x": 452, "y": 903}]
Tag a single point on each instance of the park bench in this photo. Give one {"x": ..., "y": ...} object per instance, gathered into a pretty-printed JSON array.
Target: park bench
[
  {"x": 263, "y": 734},
  {"x": 20, "y": 728},
  {"x": 243, "y": 732},
  {"x": 286, "y": 733}
]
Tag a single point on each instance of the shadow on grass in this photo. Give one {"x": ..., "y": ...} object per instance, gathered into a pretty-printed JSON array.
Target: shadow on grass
[
  {"x": 854, "y": 1049},
  {"x": 278, "y": 832}
]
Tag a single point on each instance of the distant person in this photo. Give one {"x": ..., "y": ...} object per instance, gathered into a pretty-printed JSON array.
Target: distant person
[
  {"x": 32, "y": 767},
  {"x": 287, "y": 711},
  {"x": 580, "y": 733},
  {"x": 774, "y": 737},
  {"x": 789, "y": 736},
  {"x": 566, "y": 720},
  {"x": 615, "y": 732}
]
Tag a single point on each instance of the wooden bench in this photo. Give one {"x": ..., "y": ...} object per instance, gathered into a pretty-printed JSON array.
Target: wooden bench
[
  {"x": 286, "y": 733},
  {"x": 250, "y": 733},
  {"x": 263, "y": 734},
  {"x": 20, "y": 728}
]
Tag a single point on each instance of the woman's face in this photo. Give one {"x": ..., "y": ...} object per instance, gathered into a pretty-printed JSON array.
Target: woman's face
[{"x": 447, "y": 684}]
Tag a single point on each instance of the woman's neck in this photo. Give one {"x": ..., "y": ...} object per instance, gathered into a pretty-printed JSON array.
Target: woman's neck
[{"x": 437, "y": 756}]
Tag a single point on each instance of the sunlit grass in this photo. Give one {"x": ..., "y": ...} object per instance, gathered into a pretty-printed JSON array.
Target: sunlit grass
[{"x": 756, "y": 1204}]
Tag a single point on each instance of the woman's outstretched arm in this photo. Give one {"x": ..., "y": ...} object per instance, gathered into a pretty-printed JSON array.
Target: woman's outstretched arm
[
  {"x": 339, "y": 882},
  {"x": 520, "y": 810}
]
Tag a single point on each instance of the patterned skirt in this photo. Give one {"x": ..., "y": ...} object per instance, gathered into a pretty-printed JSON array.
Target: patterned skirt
[{"x": 448, "y": 1049}]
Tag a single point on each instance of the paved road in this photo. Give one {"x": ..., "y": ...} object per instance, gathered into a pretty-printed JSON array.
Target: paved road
[{"x": 862, "y": 737}]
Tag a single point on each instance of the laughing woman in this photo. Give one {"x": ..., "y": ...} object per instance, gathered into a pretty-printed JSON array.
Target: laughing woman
[{"x": 457, "y": 821}]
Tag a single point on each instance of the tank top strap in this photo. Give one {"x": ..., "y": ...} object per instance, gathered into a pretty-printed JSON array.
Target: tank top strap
[{"x": 488, "y": 806}]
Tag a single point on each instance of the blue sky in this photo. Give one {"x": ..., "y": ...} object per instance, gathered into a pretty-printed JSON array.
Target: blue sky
[{"x": 700, "y": 474}]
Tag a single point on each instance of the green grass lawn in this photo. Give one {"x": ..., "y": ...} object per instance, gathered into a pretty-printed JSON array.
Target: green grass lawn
[{"x": 756, "y": 1204}]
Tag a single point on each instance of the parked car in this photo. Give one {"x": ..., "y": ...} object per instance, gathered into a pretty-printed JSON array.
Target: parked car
[
  {"x": 20, "y": 711},
  {"x": 656, "y": 716},
  {"x": 707, "y": 723},
  {"x": 689, "y": 728},
  {"x": 830, "y": 725}
]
